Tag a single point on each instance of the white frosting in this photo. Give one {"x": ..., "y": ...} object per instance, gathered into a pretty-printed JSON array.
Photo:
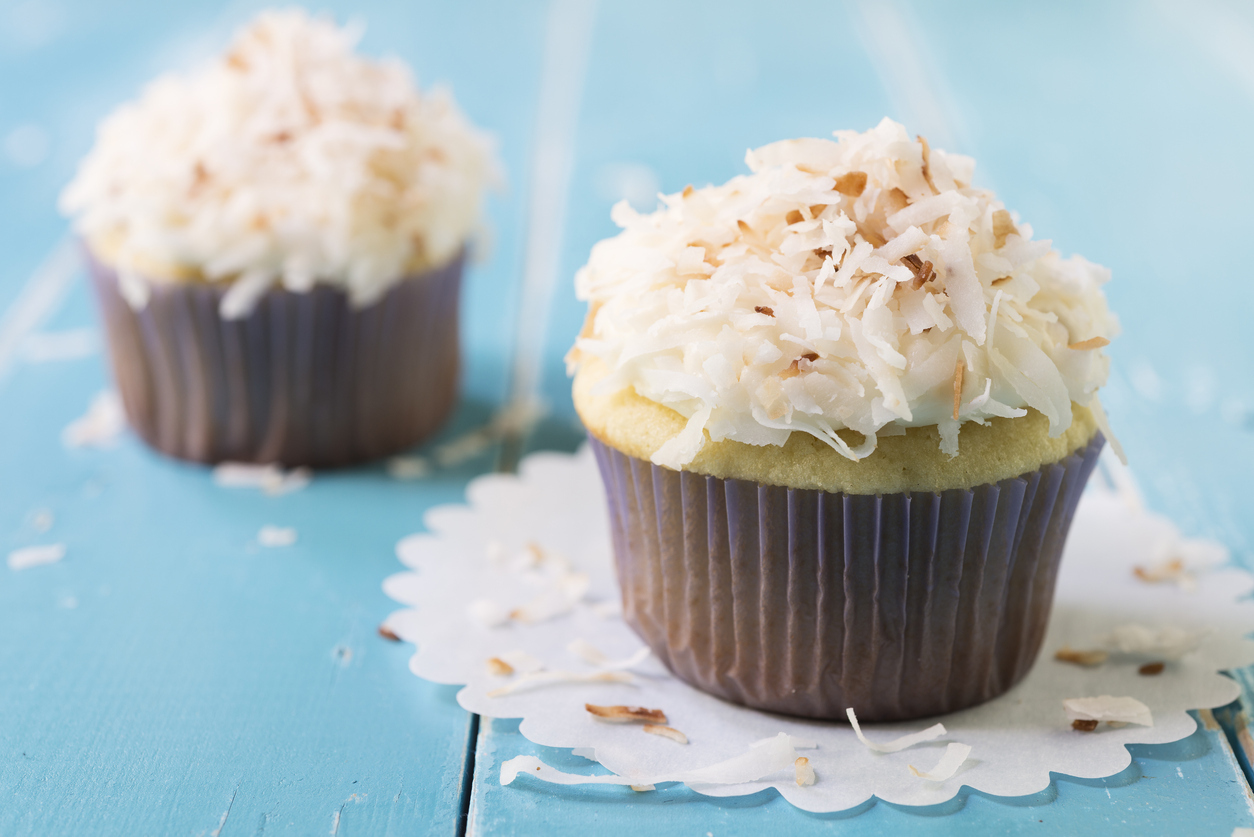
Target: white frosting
[
  {"x": 288, "y": 160},
  {"x": 776, "y": 303}
]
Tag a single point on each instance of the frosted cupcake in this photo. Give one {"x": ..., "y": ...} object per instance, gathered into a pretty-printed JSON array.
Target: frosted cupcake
[
  {"x": 844, "y": 408},
  {"x": 277, "y": 242}
]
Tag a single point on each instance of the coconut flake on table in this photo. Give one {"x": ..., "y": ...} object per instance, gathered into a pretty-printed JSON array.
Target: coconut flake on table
[
  {"x": 271, "y": 479},
  {"x": 953, "y": 757},
  {"x": 276, "y": 536},
  {"x": 761, "y": 760},
  {"x": 405, "y": 468},
  {"x": 594, "y": 656},
  {"x": 1118, "y": 710},
  {"x": 35, "y": 556},
  {"x": 540, "y": 679},
  {"x": 100, "y": 427},
  {"x": 1168, "y": 642},
  {"x": 287, "y": 160},
  {"x": 897, "y": 744},
  {"x": 880, "y": 266}
]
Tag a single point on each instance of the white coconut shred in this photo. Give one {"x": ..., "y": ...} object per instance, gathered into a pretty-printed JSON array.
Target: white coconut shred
[
  {"x": 860, "y": 284},
  {"x": 288, "y": 160}
]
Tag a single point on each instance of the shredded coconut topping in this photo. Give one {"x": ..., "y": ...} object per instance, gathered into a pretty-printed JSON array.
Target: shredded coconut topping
[
  {"x": 858, "y": 284},
  {"x": 288, "y": 159}
]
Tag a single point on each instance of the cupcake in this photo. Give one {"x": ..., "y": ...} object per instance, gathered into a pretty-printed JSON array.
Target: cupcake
[
  {"x": 844, "y": 408},
  {"x": 276, "y": 242}
]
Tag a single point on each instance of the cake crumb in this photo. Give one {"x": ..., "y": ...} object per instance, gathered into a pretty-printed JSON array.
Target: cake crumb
[{"x": 1150, "y": 669}]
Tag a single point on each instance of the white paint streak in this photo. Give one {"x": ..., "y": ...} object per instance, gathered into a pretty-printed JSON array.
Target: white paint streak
[
  {"x": 910, "y": 75},
  {"x": 39, "y": 298},
  {"x": 35, "y": 556},
  {"x": 568, "y": 41},
  {"x": 1220, "y": 32},
  {"x": 71, "y": 344}
]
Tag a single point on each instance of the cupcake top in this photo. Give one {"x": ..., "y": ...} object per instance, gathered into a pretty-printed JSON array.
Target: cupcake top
[
  {"x": 287, "y": 160},
  {"x": 860, "y": 285}
]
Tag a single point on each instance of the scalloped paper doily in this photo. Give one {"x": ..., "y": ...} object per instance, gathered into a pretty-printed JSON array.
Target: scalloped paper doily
[{"x": 474, "y": 565}]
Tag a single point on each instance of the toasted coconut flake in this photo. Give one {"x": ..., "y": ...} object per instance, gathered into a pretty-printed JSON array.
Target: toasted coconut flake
[
  {"x": 851, "y": 184},
  {"x": 952, "y": 759},
  {"x": 1083, "y": 726},
  {"x": 666, "y": 732},
  {"x": 804, "y": 771},
  {"x": 959, "y": 368},
  {"x": 800, "y": 235},
  {"x": 387, "y": 633},
  {"x": 1095, "y": 657},
  {"x": 1003, "y": 227},
  {"x": 541, "y": 679},
  {"x": 895, "y": 200},
  {"x": 927, "y": 162},
  {"x": 1091, "y": 343},
  {"x": 1127, "y": 710},
  {"x": 898, "y": 744},
  {"x": 642, "y": 788},
  {"x": 873, "y": 238},
  {"x": 1150, "y": 669},
  {"x": 626, "y": 714},
  {"x": 521, "y": 661},
  {"x": 499, "y": 668},
  {"x": 688, "y": 190},
  {"x": 1171, "y": 569},
  {"x": 764, "y": 309}
]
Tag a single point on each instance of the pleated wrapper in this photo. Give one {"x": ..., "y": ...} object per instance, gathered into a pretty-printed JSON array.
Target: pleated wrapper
[
  {"x": 303, "y": 379},
  {"x": 806, "y": 602}
]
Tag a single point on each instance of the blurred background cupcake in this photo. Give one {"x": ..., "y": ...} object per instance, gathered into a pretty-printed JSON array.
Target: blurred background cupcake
[
  {"x": 277, "y": 242},
  {"x": 844, "y": 408}
]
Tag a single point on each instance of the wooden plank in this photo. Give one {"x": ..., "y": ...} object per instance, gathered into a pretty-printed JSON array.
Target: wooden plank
[
  {"x": 1178, "y": 788},
  {"x": 1079, "y": 116},
  {"x": 170, "y": 675}
]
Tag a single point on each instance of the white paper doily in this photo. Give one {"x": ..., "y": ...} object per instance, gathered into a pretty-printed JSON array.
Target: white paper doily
[{"x": 469, "y": 558}]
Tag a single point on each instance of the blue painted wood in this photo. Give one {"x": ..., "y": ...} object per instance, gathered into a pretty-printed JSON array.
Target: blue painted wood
[
  {"x": 1187, "y": 787},
  {"x": 170, "y": 676},
  {"x": 1079, "y": 115}
]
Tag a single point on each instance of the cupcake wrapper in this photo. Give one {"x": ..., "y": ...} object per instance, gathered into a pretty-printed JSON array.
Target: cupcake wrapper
[
  {"x": 806, "y": 602},
  {"x": 304, "y": 379}
]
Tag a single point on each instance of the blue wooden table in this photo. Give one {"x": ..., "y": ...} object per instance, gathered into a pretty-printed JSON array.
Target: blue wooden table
[{"x": 172, "y": 676}]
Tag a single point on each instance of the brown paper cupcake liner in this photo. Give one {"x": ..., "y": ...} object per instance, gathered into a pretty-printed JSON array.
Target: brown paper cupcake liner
[
  {"x": 806, "y": 602},
  {"x": 304, "y": 379}
]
